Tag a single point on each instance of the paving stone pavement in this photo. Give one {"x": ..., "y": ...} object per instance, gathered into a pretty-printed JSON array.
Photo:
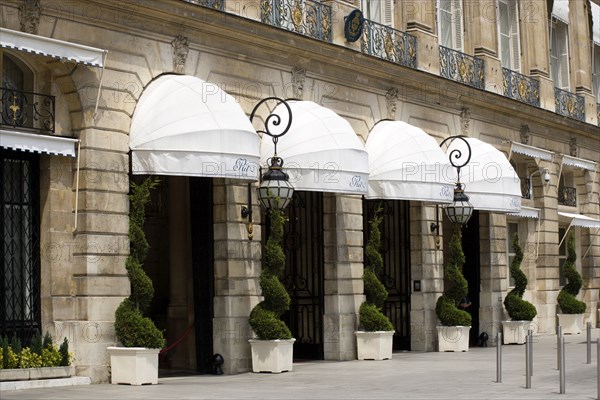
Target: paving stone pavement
[{"x": 409, "y": 375}]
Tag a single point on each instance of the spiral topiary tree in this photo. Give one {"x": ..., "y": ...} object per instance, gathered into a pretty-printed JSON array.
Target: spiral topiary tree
[
  {"x": 370, "y": 316},
  {"x": 517, "y": 308},
  {"x": 265, "y": 318},
  {"x": 132, "y": 328},
  {"x": 566, "y": 298},
  {"x": 446, "y": 307}
]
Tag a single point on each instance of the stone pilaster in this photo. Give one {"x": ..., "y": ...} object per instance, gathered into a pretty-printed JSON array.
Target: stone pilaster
[
  {"x": 426, "y": 255},
  {"x": 343, "y": 284},
  {"x": 534, "y": 38},
  {"x": 420, "y": 19},
  {"x": 587, "y": 198},
  {"x": 579, "y": 39},
  {"x": 237, "y": 268}
]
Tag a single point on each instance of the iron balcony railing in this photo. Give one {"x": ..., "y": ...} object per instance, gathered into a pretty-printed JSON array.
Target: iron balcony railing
[
  {"x": 526, "y": 188},
  {"x": 462, "y": 67},
  {"x": 27, "y": 110},
  {"x": 389, "y": 44},
  {"x": 569, "y": 104},
  {"x": 567, "y": 196},
  {"x": 520, "y": 87},
  {"x": 306, "y": 17},
  {"x": 216, "y": 4}
]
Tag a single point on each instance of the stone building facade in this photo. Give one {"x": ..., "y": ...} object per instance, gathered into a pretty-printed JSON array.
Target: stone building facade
[{"x": 447, "y": 67}]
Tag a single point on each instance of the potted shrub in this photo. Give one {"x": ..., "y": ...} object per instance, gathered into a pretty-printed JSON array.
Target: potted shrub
[
  {"x": 571, "y": 319},
  {"x": 136, "y": 363},
  {"x": 374, "y": 341},
  {"x": 272, "y": 350},
  {"x": 520, "y": 311},
  {"x": 453, "y": 334}
]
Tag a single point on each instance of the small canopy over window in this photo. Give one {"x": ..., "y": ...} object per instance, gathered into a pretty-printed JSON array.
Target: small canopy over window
[
  {"x": 321, "y": 151},
  {"x": 490, "y": 181},
  {"x": 184, "y": 126},
  {"x": 405, "y": 163}
]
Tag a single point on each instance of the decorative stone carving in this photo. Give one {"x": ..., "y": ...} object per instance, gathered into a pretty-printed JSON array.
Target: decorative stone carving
[
  {"x": 525, "y": 135},
  {"x": 391, "y": 98},
  {"x": 29, "y": 16},
  {"x": 298, "y": 78},
  {"x": 181, "y": 48},
  {"x": 465, "y": 120},
  {"x": 573, "y": 146}
]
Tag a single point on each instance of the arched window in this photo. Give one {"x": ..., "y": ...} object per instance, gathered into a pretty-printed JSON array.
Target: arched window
[{"x": 17, "y": 97}]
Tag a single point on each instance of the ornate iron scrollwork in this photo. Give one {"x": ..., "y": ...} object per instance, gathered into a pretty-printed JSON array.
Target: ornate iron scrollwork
[
  {"x": 461, "y": 67},
  {"x": 569, "y": 104},
  {"x": 306, "y": 17},
  {"x": 27, "y": 110},
  {"x": 520, "y": 87},
  {"x": 389, "y": 44}
]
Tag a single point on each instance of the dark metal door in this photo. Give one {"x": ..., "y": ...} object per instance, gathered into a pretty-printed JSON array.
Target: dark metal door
[
  {"x": 303, "y": 276},
  {"x": 395, "y": 250},
  {"x": 20, "y": 247},
  {"x": 470, "y": 245},
  {"x": 201, "y": 213}
]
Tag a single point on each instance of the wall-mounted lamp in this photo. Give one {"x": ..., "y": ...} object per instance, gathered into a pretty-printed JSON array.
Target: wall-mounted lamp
[
  {"x": 275, "y": 190},
  {"x": 461, "y": 209}
]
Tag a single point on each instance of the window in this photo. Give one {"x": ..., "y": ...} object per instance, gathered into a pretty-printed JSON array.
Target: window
[
  {"x": 562, "y": 257},
  {"x": 559, "y": 53},
  {"x": 15, "y": 92},
  {"x": 567, "y": 193},
  {"x": 508, "y": 30},
  {"x": 381, "y": 11},
  {"x": 450, "y": 22},
  {"x": 512, "y": 230}
]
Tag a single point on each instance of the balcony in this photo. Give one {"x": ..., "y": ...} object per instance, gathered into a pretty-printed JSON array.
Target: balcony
[
  {"x": 216, "y": 4},
  {"x": 525, "y": 188},
  {"x": 26, "y": 110},
  {"x": 306, "y": 17},
  {"x": 569, "y": 104},
  {"x": 389, "y": 44},
  {"x": 567, "y": 196},
  {"x": 520, "y": 87},
  {"x": 461, "y": 67}
]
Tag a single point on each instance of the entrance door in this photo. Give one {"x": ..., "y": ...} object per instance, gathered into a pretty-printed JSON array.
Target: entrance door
[
  {"x": 470, "y": 245},
  {"x": 201, "y": 214},
  {"x": 395, "y": 250},
  {"x": 303, "y": 277}
]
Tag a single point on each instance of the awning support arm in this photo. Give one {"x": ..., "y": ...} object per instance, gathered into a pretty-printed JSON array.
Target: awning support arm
[
  {"x": 537, "y": 246},
  {"x": 566, "y": 232},
  {"x": 594, "y": 237},
  {"x": 104, "y": 55}
]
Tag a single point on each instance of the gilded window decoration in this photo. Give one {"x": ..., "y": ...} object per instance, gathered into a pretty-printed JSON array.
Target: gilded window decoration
[
  {"x": 520, "y": 87},
  {"x": 569, "y": 104},
  {"x": 216, "y": 4},
  {"x": 27, "y": 110},
  {"x": 389, "y": 44},
  {"x": 306, "y": 17}
]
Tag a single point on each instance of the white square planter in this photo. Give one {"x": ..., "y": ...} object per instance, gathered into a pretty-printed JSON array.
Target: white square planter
[
  {"x": 274, "y": 356},
  {"x": 515, "y": 332},
  {"x": 570, "y": 324},
  {"x": 453, "y": 338},
  {"x": 133, "y": 365},
  {"x": 374, "y": 345}
]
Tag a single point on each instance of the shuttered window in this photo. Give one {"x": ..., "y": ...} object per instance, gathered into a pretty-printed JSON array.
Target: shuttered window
[
  {"x": 508, "y": 31},
  {"x": 450, "y": 23},
  {"x": 381, "y": 11},
  {"x": 559, "y": 53}
]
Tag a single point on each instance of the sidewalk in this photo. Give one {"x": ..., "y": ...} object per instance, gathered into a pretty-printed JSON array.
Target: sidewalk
[{"x": 409, "y": 375}]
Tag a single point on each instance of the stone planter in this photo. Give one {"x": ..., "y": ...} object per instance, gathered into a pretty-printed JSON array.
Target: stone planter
[
  {"x": 133, "y": 365},
  {"x": 515, "y": 332},
  {"x": 453, "y": 338},
  {"x": 570, "y": 324},
  {"x": 26, "y": 374},
  {"x": 273, "y": 356},
  {"x": 374, "y": 345}
]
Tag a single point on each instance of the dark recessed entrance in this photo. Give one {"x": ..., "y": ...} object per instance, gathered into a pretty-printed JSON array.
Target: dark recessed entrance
[
  {"x": 395, "y": 250},
  {"x": 471, "y": 271}
]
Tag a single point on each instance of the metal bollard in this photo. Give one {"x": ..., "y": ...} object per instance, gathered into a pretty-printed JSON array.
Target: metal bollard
[
  {"x": 530, "y": 334},
  {"x": 589, "y": 342},
  {"x": 499, "y": 358},
  {"x": 558, "y": 336},
  {"x": 527, "y": 362},
  {"x": 562, "y": 365}
]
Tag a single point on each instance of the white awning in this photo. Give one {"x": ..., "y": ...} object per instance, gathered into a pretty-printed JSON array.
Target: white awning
[
  {"x": 560, "y": 10},
  {"x": 581, "y": 221},
  {"x": 52, "y": 47},
  {"x": 321, "y": 151},
  {"x": 24, "y": 141},
  {"x": 527, "y": 212},
  {"x": 530, "y": 151},
  {"x": 490, "y": 181},
  {"x": 579, "y": 163},
  {"x": 185, "y": 126},
  {"x": 405, "y": 163},
  {"x": 596, "y": 22}
]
